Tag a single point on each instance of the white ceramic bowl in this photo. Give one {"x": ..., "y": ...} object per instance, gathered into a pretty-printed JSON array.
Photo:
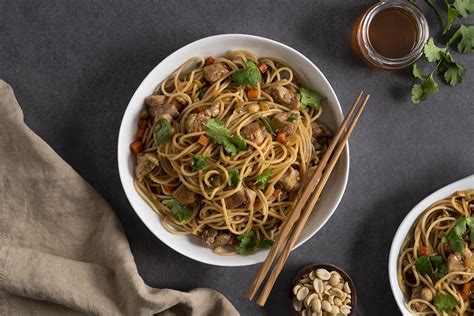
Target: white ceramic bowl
[
  {"x": 405, "y": 227},
  {"x": 215, "y": 46}
]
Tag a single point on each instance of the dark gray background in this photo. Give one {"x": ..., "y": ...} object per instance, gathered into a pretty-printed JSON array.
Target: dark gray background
[{"x": 74, "y": 65}]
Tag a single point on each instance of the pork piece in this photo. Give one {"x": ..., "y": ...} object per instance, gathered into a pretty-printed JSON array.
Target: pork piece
[
  {"x": 416, "y": 294},
  {"x": 214, "y": 110},
  {"x": 146, "y": 162},
  {"x": 455, "y": 262},
  {"x": 290, "y": 179},
  {"x": 214, "y": 72},
  {"x": 254, "y": 133},
  {"x": 281, "y": 94},
  {"x": 212, "y": 238},
  {"x": 184, "y": 195},
  {"x": 244, "y": 197},
  {"x": 235, "y": 200},
  {"x": 280, "y": 122},
  {"x": 322, "y": 135},
  {"x": 250, "y": 196},
  {"x": 195, "y": 122},
  {"x": 158, "y": 109}
]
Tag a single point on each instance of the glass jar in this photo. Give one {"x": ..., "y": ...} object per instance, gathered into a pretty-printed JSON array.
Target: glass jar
[{"x": 410, "y": 24}]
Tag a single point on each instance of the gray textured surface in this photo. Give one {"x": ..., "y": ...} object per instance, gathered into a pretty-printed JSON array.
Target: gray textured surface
[{"x": 75, "y": 64}]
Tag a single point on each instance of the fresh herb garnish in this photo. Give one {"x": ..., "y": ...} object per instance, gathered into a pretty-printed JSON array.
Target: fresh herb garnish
[
  {"x": 178, "y": 210},
  {"x": 445, "y": 302},
  {"x": 234, "y": 177},
  {"x": 434, "y": 265},
  {"x": 454, "y": 238},
  {"x": 248, "y": 243},
  {"x": 198, "y": 162},
  {"x": 220, "y": 134},
  {"x": 292, "y": 117},
  {"x": 263, "y": 178},
  {"x": 445, "y": 65},
  {"x": 163, "y": 131},
  {"x": 310, "y": 98},
  {"x": 248, "y": 75}
]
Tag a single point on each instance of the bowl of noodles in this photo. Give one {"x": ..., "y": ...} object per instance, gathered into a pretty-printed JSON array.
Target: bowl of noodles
[
  {"x": 217, "y": 141},
  {"x": 431, "y": 265}
]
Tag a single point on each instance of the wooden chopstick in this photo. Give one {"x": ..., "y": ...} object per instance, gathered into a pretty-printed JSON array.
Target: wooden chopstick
[
  {"x": 288, "y": 226},
  {"x": 295, "y": 214},
  {"x": 309, "y": 208}
]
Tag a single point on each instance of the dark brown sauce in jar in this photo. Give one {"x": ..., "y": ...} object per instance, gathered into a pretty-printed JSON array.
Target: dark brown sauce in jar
[
  {"x": 393, "y": 33},
  {"x": 390, "y": 34}
]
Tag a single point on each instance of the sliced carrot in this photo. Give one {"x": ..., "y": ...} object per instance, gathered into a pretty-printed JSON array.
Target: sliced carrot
[
  {"x": 424, "y": 250},
  {"x": 140, "y": 134},
  {"x": 276, "y": 192},
  {"x": 136, "y": 147},
  {"x": 142, "y": 123},
  {"x": 209, "y": 60},
  {"x": 252, "y": 94},
  {"x": 203, "y": 140},
  {"x": 466, "y": 290},
  {"x": 281, "y": 137},
  {"x": 262, "y": 67}
]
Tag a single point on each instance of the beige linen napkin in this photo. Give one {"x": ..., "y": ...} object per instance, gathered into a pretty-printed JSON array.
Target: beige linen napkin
[{"x": 62, "y": 249}]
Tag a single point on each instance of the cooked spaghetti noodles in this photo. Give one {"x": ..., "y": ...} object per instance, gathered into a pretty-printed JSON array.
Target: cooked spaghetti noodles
[
  {"x": 222, "y": 147},
  {"x": 436, "y": 267}
]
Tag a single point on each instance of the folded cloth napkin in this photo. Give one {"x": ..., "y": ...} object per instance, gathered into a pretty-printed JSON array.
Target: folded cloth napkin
[{"x": 62, "y": 249}]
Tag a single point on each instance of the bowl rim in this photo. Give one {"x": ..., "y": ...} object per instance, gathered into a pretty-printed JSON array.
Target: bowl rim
[
  {"x": 336, "y": 109},
  {"x": 330, "y": 267},
  {"x": 406, "y": 226}
]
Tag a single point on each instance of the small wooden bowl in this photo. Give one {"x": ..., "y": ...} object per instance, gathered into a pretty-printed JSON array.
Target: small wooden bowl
[{"x": 330, "y": 268}]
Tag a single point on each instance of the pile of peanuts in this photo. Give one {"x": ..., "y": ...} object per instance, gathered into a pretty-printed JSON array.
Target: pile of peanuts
[{"x": 321, "y": 293}]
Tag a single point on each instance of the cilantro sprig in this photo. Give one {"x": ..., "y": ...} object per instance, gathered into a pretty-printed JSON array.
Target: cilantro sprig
[
  {"x": 234, "y": 177},
  {"x": 248, "y": 75},
  {"x": 248, "y": 243},
  {"x": 163, "y": 131},
  {"x": 263, "y": 178},
  {"x": 434, "y": 265},
  {"x": 310, "y": 98},
  {"x": 445, "y": 65},
  {"x": 198, "y": 162},
  {"x": 220, "y": 134},
  {"x": 177, "y": 209},
  {"x": 445, "y": 302}
]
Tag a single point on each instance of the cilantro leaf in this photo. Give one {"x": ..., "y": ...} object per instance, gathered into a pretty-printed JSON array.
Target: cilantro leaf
[
  {"x": 445, "y": 302},
  {"x": 198, "y": 162},
  {"x": 265, "y": 243},
  {"x": 248, "y": 75},
  {"x": 432, "y": 52},
  {"x": 464, "y": 7},
  {"x": 239, "y": 142},
  {"x": 310, "y": 98},
  {"x": 163, "y": 131},
  {"x": 420, "y": 92},
  {"x": 417, "y": 73},
  {"x": 435, "y": 265},
  {"x": 423, "y": 265},
  {"x": 220, "y": 134},
  {"x": 229, "y": 148},
  {"x": 267, "y": 125},
  {"x": 263, "y": 178},
  {"x": 217, "y": 131},
  {"x": 453, "y": 14},
  {"x": 234, "y": 177},
  {"x": 292, "y": 117},
  {"x": 454, "y": 237},
  {"x": 464, "y": 36},
  {"x": 177, "y": 209},
  {"x": 247, "y": 242}
]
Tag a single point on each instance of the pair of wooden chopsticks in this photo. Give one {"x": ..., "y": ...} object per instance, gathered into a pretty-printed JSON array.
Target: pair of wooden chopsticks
[{"x": 293, "y": 226}]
